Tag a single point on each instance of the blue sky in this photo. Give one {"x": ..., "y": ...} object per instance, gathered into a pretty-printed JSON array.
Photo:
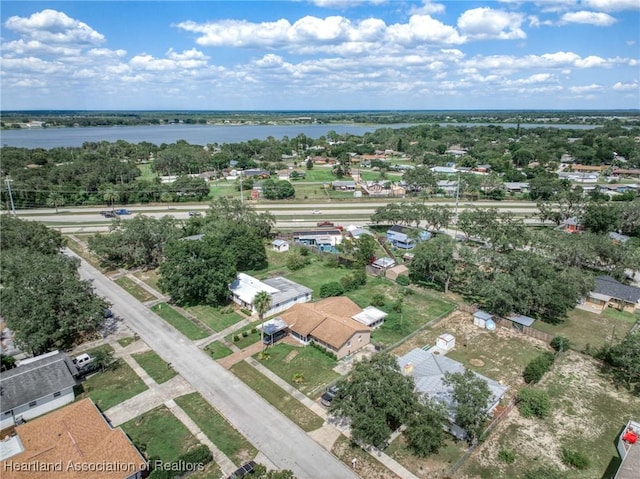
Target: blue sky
[{"x": 320, "y": 55}]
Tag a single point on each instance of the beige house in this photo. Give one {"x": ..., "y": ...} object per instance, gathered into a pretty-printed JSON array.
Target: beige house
[
  {"x": 610, "y": 293},
  {"x": 400, "y": 270},
  {"x": 330, "y": 324}
]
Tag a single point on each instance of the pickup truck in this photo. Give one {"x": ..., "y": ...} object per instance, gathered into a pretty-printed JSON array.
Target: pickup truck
[
  {"x": 122, "y": 211},
  {"x": 324, "y": 223},
  {"x": 108, "y": 214}
]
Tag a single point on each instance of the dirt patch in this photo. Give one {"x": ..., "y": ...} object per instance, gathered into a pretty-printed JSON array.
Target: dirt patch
[
  {"x": 365, "y": 466},
  {"x": 477, "y": 362},
  {"x": 290, "y": 356}
]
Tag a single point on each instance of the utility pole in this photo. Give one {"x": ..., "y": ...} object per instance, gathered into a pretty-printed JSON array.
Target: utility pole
[
  {"x": 455, "y": 219},
  {"x": 241, "y": 192},
  {"x": 13, "y": 207}
]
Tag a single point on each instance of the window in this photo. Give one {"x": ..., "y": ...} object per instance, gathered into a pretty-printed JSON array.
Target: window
[
  {"x": 32, "y": 404},
  {"x": 56, "y": 394}
]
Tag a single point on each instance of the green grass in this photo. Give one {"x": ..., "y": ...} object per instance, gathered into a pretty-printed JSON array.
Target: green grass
[
  {"x": 150, "y": 277},
  {"x": 155, "y": 366},
  {"x": 112, "y": 386},
  {"x": 316, "y": 367},
  {"x": 146, "y": 172},
  {"x": 182, "y": 324},
  {"x": 124, "y": 342},
  {"x": 217, "y": 319},
  {"x": 159, "y": 434},
  {"x": 318, "y": 174},
  {"x": 584, "y": 328},
  {"x": 418, "y": 309},
  {"x": 217, "y": 350},
  {"x": 316, "y": 274},
  {"x": 251, "y": 337},
  {"x": 437, "y": 464},
  {"x": 278, "y": 397},
  {"x": 135, "y": 290},
  {"x": 305, "y": 191},
  {"x": 217, "y": 429}
]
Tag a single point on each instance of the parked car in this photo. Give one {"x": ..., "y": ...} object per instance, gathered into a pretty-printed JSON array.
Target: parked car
[
  {"x": 328, "y": 396},
  {"x": 108, "y": 214},
  {"x": 316, "y": 212},
  {"x": 324, "y": 223},
  {"x": 122, "y": 211},
  {"x": 247, "y": 468},
  {"x": 195, "y": 213}
]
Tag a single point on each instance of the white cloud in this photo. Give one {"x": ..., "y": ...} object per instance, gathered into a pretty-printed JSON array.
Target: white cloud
[
  {"x": 428, "y": 8},
  {"x": 423, "y": 29},
  {"x": 34, "y": 47},
  {"x": 344, "y": 3},
  {"x": 54, "y": 27},
  {"x": 598, "y": 19},
  {"x": 612, "y": 5},
  {"x": 585, "y": 88},
  {"x": 487, "y": 23},
  {"x": 619, "y": 86}
]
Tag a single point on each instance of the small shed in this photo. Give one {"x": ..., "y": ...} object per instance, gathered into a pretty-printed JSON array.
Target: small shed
[
  {"x": 480, "y": 318},
  {"x": 446, "y": 342},
  {"x": 519, "y": 321},
  {"x": 280, "y": 245},
  {"x": 400, "y": 270},
  {"x": 384, "y": 263}
]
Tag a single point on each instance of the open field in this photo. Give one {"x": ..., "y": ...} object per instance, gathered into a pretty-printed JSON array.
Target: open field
[
  {"x": 593, "y": 330},
  {"x": 314, "y": 366},
  {"x": 159, "y": 434},
  {"x": 217, "y": 319},
  {"x": 155, "y": 366},
  {"x": 588, "y": 413},
  {"x": 217, "y": 429},
  {"x": 277, "y": 397},
  {"x": 182, "y": 324},
  {"x": 134, "y": 290}
]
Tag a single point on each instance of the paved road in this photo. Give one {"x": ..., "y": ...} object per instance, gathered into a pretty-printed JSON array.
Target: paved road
[{"x": 285, "y": 444}]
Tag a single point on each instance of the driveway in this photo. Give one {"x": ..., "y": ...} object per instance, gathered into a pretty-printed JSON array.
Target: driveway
[{"x": 281, "y": 441}]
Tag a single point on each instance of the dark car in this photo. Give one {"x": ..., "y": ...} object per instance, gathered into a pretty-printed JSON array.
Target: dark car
[
  {"x": 108, "y": 214},
  {"x": 195, "y": 213},
  {"x": 123, "y": 211},
  {"x": 328, "y": 396},
  {"x": 248, "y": 468}
]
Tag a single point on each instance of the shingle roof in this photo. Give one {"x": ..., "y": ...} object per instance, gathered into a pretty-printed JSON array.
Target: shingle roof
[
  {"x": 610, "y": 287},
  {"x": 79, "y": 435},
  {"x": 37, "y": 379}
]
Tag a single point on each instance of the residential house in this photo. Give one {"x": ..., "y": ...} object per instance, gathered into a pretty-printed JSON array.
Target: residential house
[
  {"x": 610, "y": 293},
  {"x": 343, "y": 185},
  {"x": 384, "y": 263},
  {"x": 324, "y": 240},
  {"x": 588, "y": 168},
  {"x": 579, "y": 177},
  {"x": 329, "y": 323},
  {"x": 74, "y": 442},
  {"x": 35, "y": 387},
  {"x": 396, "y": 271},
  {"x": 633, "y": 172},
  {"x": 446, "y": 170},
  {"x": 447, "y": 187},
  {"x": 256, "y": 173},
  {"x": 572, "y": 225},
  {"x": 280, "y": 245},
  {"x": 400, "y": 236},
  {"x": 284, "y": 293},
  {"x": 628, "y": 447},
  {"x": 618, "y": 238},
  {"x": 356, "y": 231},
  {"x": 428, "y": 371},
  {"x": 516, "y": 187}
]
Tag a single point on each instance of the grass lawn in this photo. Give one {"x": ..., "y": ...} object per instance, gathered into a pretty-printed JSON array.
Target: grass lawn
[
  {"x": 155, "y": 367},
  {"x": 124, "y": 342},
  {"x": 133, "y": 289},
  {"x": 436, "y": 465},
  {"x": 217, "y": 350},
  {"x": 158, "y": 433},
  {"x": 316, "y": 274},
  {"x": 366, "y": 466},
  {"x": 182, "y": 324},
  {"x": 275, "y": 261},
  {"x": 217, "y": 429},
  {"x": 319, "y": 174},
  {"x": 584, "y": 328},
  {"x": 315, "y": 366},
  {"x": 277, "y": 397},
  {"x": 150, "y": 277},
  {"x": 306, "y": 191},
  {"x": 112, "y": 386},
  {"x": 418, "y": 308},
  {"x": 217, "y": 319},
  {"x": 245, "y": 341}
]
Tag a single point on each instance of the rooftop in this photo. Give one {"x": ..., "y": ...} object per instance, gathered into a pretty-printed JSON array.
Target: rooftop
[{"x": 608, "y": 286}]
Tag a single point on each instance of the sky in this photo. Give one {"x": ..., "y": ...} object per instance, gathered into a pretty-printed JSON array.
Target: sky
[{"x": 320, "y": 55}]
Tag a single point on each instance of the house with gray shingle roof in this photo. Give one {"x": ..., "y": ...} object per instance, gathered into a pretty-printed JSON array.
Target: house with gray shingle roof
[
  {"x": 38, "y": 385},
  {"x": 609, "y": 292}
]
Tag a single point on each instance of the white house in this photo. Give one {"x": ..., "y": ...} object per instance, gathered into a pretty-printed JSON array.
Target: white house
[
  {"x": 284, "y": 293},
  {"x": 35, "y": 387}
]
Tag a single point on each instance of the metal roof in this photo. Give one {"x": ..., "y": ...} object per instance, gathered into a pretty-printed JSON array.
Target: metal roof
[{"x": 521, "y": 319}]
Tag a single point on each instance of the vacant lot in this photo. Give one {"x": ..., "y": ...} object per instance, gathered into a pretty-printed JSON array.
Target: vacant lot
[
  {"x": 182, "y": 324},
  {"x": 588, "y": 415},
  {"x": 158, "y": 433},
  {"x": 366, "y": 466},
  {"x": 150, "y": 277},
  {"x": 135, "y": 290},
  {"x": 217, "y": 429},
  {"x": 585, "y": 329},
  {"x": 436, "y": 465},
  {"x": 305, "y": 368},
  {"x": 217, "y": 319},
  {"x": 155, "y": 366}
]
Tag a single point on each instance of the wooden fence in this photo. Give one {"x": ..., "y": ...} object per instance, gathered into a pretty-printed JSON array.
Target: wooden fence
[{"x": 526, "y": 330}]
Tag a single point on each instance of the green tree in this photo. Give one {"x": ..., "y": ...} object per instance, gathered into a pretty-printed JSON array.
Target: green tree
[
  {"x": 365, "y": 249},
  {"x": 110, "y": 195},
  {"x": 377, "y": 399},
  {"x": 102, "y": 358},
  {"x": 261, "y": 472},
  {"x": 533, "y": 402},
  {"x": 425, "y": 428},
  {"x": 32, "y": 235},
  {"x": 55, "y": 200},
  {"x": 262, "y": 304},
  {"x": 434, "y": 260},
  {"x": 624, "y": 361},
  {"x": 197, "y": 272},
  {"x": 471, "y": 396}
]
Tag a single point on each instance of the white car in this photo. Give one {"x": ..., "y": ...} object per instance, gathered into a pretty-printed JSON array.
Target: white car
[{"x": 315, "y": 212}]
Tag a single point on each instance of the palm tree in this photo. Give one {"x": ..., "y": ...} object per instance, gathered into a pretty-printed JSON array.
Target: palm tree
[
  {"x": 55, "y": 199},
  {"x": 111, "y": 195},
  {"x": 262, "y": 304}
]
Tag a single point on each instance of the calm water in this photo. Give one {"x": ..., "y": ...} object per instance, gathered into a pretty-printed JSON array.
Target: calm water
[{"x": 196, "y": 134}]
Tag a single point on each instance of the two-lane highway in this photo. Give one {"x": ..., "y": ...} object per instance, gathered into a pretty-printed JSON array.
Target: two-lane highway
[{"x": 284, "y": 443}]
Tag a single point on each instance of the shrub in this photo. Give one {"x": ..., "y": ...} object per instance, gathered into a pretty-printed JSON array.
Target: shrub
[
  {"x": 347, "y": 283},
  {"x": 331, "y": 260},
  {"x": 574, "y": 459},
  {"x": 537, "y": 367},
  {"x": 543, "y": 472},
  {"x": 507, "y": 455},
  {"x": 403, "y": 280},
  {"x": 254, "y": 330},
  {"x": 236, "y": 338},
  {"x": 246, "y": 311},
  {"x": 331, "y": 289},
  {"x": 296, "y": 260},
  {"x": 377, "y": 300},
  {"x": 560, "y": 343},
  {"x": 245, "y": 334},
  {"x": 533, "y": 402}
]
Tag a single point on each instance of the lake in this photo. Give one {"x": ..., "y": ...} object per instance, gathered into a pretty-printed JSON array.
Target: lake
[{"x": 201, "y": 134}]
